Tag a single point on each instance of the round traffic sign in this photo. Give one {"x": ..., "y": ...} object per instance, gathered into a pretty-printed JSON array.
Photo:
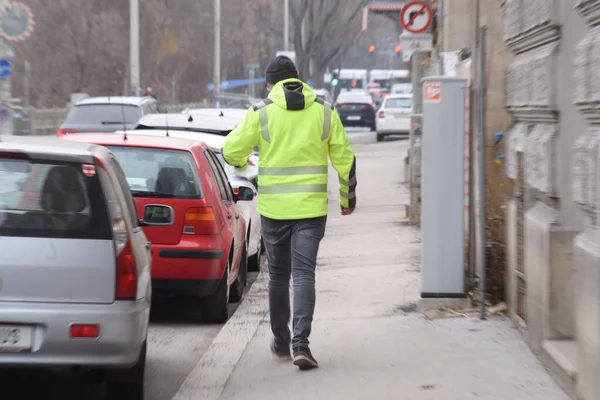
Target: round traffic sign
[
  {"x": 16, "y": 21},
  {"x": 416, "y": 16}
]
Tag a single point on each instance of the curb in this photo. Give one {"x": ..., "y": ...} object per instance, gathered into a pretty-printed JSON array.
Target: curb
[{"x": 208, "y": 378}]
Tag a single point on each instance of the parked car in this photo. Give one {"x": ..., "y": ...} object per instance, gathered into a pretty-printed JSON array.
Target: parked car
[
  {"x": 393, "y": 118},
  {"x": 356, "y": 109},
  {"x": 234, "y": 113},
  {"x": 107, "y": 114},
  {"x": 188, "y": 212},
  {"x": 75, "y": 265},
  {"x": 249, "y": 178},
  {"x": 206, "y": 124}
]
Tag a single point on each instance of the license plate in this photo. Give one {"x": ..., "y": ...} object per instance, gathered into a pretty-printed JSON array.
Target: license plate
[
  {"x": 15, "y": 338},
  {"x": 354, "y": 118}
]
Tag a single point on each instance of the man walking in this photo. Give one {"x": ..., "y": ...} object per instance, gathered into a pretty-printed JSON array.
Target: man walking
[{"x": 296, "y": 133}]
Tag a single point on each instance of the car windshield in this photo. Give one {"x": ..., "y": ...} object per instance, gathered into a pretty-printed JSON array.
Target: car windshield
[
  {"x": 160, "y": 173},
  {"x": 52, "y": 200},
  {"x": 398, "y": 103},
  {"x": 104, "y": 114}
]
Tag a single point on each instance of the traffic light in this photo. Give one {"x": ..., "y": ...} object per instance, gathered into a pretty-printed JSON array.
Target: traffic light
[
  {"x": 335, "y": 79},
  {"x": 372, "y": 49},
  {"x": 398, "y": 49}
]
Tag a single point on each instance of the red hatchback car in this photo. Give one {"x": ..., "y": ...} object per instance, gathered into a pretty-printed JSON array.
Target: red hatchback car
[{"x": 188, "y": 212}]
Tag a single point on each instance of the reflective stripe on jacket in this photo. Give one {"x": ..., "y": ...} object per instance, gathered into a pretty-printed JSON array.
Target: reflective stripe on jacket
[{"x": 296, "y": 133}]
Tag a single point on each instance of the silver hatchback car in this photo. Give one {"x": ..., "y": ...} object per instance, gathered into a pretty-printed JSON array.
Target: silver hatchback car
[{"x": 75, "y": 286}]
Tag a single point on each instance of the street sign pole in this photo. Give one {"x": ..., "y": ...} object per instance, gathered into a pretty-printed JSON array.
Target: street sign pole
[{"x": 415, "y": 18}]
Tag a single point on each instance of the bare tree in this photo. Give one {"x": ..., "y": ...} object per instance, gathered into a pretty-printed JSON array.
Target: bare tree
[{"x": 323, "y": 31}]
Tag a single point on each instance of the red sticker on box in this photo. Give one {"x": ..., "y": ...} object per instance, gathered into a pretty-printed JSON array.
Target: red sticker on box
[{"x": 89, "y": 170}]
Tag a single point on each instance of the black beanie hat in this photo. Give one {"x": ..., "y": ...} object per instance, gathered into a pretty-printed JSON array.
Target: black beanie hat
[{"x": 279, "y": 69}]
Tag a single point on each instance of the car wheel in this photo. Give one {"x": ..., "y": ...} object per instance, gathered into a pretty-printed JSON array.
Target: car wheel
[
  {"x": 128, "y": 384},
  {"x": 380, "y": 137},
  {"x": 237, "y": 289},
  {"x": 254, "y": 261},
  {"x": 214, "y": 307}
]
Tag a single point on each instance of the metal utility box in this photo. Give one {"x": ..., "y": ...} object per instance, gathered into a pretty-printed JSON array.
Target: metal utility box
[{"x": 442, "y": 187}]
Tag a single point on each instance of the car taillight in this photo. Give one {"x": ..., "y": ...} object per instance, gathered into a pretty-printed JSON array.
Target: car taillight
[
  {"x": 200, "y": 221},
  {"x": 63, "y": 132},
  {"x": 126, "y": 273},
  {"x": 341, "y": 106},
  {"x": 380, "y": 114},
  {"x": 366, "y": 107}
]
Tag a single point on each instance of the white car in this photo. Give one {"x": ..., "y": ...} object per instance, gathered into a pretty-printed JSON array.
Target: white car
[
  {"x": 393, "y": 117},
  {"x": 233, "y": 113},
  {"x": 218, "y": 125},
  {"x": 237, "y": 177}
]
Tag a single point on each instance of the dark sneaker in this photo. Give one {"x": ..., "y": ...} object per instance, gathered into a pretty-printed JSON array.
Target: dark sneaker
[
  {"x": 304, "y": 359},
  {"x": 281, "y": 354}
]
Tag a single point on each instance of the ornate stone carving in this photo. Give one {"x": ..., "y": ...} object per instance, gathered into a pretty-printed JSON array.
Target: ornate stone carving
[
  {"x": 530, "y": 23},
  {"x": 513, "y": 19},
  {"x": 530, "y": 86},
  {"x": 587, "y": 76},
  {"x": 589, "y": 10},
  {"x": 515, "y": 144},
  {"x": 540, "y": 159},
  {"x": 586, "y": 167}
]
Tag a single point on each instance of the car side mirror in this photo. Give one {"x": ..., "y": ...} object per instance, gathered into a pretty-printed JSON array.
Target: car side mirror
[
  {"x": 243, "y": 193},
  {"x": 157, "y": 215}
]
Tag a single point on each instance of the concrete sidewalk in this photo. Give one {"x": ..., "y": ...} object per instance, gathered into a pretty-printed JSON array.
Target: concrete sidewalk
[{"x": 369, "y": 338}]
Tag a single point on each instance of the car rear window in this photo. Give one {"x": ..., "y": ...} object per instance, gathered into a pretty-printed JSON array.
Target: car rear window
[
  {"x": 160, "y": 173},
  {"x": 104, "y": 114},
  {"x": 355, "y": 99},
  {"x": 51, "y": 200},
  {"x": 398, "y": 103}
]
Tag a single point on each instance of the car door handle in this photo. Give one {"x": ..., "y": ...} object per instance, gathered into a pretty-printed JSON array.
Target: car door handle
[{"x": 148, "y": 246}]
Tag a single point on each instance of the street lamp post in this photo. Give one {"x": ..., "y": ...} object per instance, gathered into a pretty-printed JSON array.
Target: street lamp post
[
  {"x": 217, "y": 51},
  {"x": 134, "y": 46},
  {"x": 286, "y": 25}
]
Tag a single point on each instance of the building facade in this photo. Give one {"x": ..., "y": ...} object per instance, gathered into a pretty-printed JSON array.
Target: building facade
[{"x": 553, "y": 238}]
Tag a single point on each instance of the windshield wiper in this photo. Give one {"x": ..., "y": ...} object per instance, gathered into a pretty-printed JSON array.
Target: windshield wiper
[
  {"x": 113, "y": 123},
  {"x": 156, "y": 195}
]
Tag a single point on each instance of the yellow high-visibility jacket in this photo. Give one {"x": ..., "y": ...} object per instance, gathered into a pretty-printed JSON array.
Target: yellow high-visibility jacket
[{"x": 296, "y": 133}]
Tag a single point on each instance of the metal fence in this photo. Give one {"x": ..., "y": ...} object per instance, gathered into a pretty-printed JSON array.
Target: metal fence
[{"x": 46, "y": 121}]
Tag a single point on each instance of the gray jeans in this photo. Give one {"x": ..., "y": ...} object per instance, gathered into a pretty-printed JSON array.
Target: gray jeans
[{"x": 292, "y": 248}]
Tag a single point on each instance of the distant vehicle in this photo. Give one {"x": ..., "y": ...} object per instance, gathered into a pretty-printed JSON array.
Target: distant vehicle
[
  {"x": 387, "y": 77},
  {"x": 106, "y": 114},
  {"x": 356, "y": 109},
  {"x": 352, "y": 78},
  {"x": 401, "y": 88},
  {"x": 189, "y": 215},
  {"x": 324, "y": 94},
  {"x": 75, "y": 265},
  {"x": 193, "y": 123},
  {"x": 248, "y": 209},
  {"x": 234, "y": 113},
  {"x": 394, "y": 116}
]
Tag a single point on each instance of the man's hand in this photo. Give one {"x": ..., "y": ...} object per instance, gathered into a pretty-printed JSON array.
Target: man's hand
[
  {"x": 250, "y": 162},
  {"x": 347, "y": 211}
]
